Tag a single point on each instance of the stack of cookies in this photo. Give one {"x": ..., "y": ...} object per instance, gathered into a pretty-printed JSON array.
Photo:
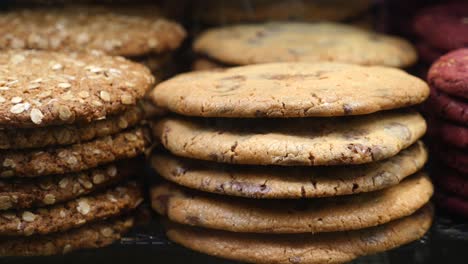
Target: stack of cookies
[
  {"x": 70, "y": 135},
  {"x": 302, "y": 42},
  {"x": 292, "y": 162},
  {"x": 449, "y": 107},
  {"x": 441, "y": 28}
]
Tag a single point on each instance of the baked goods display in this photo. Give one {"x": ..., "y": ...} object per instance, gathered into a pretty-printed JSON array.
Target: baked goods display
[{"x": 287, "y": 160}]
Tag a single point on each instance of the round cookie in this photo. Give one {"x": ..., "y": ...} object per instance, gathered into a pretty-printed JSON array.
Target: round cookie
[
  {"x": 42, "y": 88},
  {"x": 73, "y": 158},
  {"x": 44, "y": 191},
  {"x": 453, "y": 182},
  {"x": 95, "y": 235},
  {"x": 450, "y": 72},
  {"x": 72, "y": 214},
  {"x": 452, "y": 204},
  {"x": 203, "y": 64},
  {"x": 290, "y": 90},
  {"x": 453, "y": 134},
  {"x": 448, "y": 107},
  {"x": 290, "y": 182},
  {"x": 454, "y": 158},
  {"x": 69, "y": 134},
  {"x": 115, "y": 31},
  {"x": 338, "y": 247},
  {"x": 292, "y": 216},
  {"x": 444, "y": 25},
  {"x": 292, "y": 142},
  {"x": 303, "y": 42},
  {"x": 229, "y": 12}
]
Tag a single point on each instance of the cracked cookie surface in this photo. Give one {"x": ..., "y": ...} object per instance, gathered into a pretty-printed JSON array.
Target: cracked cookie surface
[
  {"x": 292, "y": 216},
  {"x": 73, "y": 158},
  {"x": 41, "y": 88},
  {"x": 292, "y": 142},
  {"x": 95, "y": 235},
  {"x": 303, "y": 42},
  {"x": 73, "y": 214},
  {"x": 44, "y": 191},
  {"x": 290, "y": 90},
  {"x": 338, "y": 247},
  {"x": 289, "y": 182}
]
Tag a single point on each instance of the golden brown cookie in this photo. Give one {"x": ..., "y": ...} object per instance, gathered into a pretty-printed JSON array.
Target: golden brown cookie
[
  {"x": 69, "y": 134},
  {"x": 292, "y": 142},
  {"x": 44, "y": 191},
  {"x": 338, "y": 247},
  {"x": 290, "y": 90},
  {"x": 289, "y": 182},
  {"x": 303, "y": 42},
  {"x": 40, "y": 88},
  {"x": 216, "y": 12},
  {"x": 73, "y": 158},
  {"x": 73, "y": 214},
  {"x": 292, "y": 216},
  {"x": 127, "y": 31},
  {"x": 94, "y": 235}
]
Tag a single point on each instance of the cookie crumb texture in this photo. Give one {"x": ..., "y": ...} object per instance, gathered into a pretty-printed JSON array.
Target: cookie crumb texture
[
  {"x": 74, "y": 158},
  {"x": 290, "y": 182},
  {"x": 44, "y": 191},
  {"x": 69, "y": 134},
  {"x": 42, "y": 88},
  {"x": 339, "y": 247},
  {"x": 72, "y": 214},
  {"x": 304, "y": 42},
  {"x": 96, "y": 235},
  {"x": 292, "y": 142},
  {"x": 85, "y": 28},
  {"x": 292, "y": 216},
  {"x": 290, "y": 90}
]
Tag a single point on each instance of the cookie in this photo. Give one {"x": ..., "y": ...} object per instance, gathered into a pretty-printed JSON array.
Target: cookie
[
  {"x": 27, "y": 193},
  {"x": 292, "y": 142},
  {"x": 69, "y": 134},
  {"x": 448, "y": 107},
  {"x": 290, "y": 90},
  {"x": 452, "y": 204},
  {"x": 42, "y": 88},
  {"x": 444, "y": 25},
  {"x": 72, "y": 214},
  {"x": 450, "y": 72},
  {"x": 454, "y": 158},
  {"x": 338, "y": 247},
  {"x": 89, "y": 236},
  {"x": 85, "y": 28},
  {"x": 290, "y": 182},
  {"x": 292, "y": 216},
  {"x": 73, "y": 158},
  {"x": 303, "y": 42},
  {"x": 203, "y": 64},
  {"x": 228, "y": 12},
  {"x": 452, "y": 181},
  {"x": 453, "y": 134}
]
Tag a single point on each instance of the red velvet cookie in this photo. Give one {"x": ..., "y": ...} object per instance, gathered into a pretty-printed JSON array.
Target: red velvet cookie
[
  {"x": 444, "y": 26},
  {"x": 453, "y": 204},
  {"x": 448, "y": 107},
  {"x": 452, "y": 181},
  {"x": 453, "y": 134},
  {"x": 454, "y": 158},
  {"x": 427, "y": 53},
  {"x": 450, "y": 72}
]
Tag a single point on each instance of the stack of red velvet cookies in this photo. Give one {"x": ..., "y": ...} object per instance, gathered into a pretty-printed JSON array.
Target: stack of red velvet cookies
[
  {"x": 441, "y": 28},
  {"x": 448, "y": 78}
]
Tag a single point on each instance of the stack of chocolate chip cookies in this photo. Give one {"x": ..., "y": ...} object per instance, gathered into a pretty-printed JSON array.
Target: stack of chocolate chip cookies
[
  {"x": 299, "y": 42},
  {"x": 70, "y": 135},
  {"x": 449, "y": 106},
  {"x": 292, "y": 162},
  {"x": 441, "y": 28}
]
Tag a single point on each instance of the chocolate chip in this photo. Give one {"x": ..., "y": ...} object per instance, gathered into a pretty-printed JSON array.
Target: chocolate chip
[
  {"x": 347, "y": 109},
  {"x": 192, "y": 220}
]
